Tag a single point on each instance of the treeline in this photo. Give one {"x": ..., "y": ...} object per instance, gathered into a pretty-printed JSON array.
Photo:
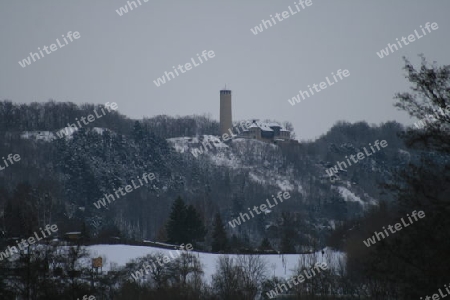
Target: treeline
[
  {"x": 53, "y": 271},
  {"x": 411, "y": 263},
  {"x": 52, "y": 116}
]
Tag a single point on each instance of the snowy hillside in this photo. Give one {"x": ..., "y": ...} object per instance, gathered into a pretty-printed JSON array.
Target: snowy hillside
[{"x": 261, "y": 159}]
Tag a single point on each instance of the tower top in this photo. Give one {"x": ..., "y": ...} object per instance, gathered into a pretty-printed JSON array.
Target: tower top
[{"x": 225, "y": 92}]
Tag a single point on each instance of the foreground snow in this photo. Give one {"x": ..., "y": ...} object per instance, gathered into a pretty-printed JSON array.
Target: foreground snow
[{"x": 278, "y": 265}]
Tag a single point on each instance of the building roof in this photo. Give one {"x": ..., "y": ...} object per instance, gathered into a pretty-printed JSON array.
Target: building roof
[
  {"x": 266, "y": 126},
  {"x": 273, "y": 124},
  {"x": 263, "y": 126}
]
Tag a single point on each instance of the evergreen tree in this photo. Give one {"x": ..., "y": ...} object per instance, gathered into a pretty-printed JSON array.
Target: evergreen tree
[
  {"x": 288, "y": 233},
  {"x": 185, "y": 224},
  {"x": 220, "y": 240},
  {"x": 265, "y": 244},
  {"x": 85, "y": 234},
  {"x": 287, "y": 246},
  {"x": 176, "y": 226},
  {"x": 235, "y": 243},
  {"x": 195, "y": 230}
]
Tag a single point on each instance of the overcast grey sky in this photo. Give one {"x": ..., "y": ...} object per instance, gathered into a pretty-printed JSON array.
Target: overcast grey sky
[{"x": 118, "y": 57}]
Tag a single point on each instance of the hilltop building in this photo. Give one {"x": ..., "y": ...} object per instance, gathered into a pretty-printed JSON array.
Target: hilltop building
[{"x": 266, "y": 132}]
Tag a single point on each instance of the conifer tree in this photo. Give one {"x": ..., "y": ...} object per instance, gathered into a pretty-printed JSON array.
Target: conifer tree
[
  {"x": 185, "y": 224},
  {"x": 287, "y": 246},
  {"x": 195, "y": 230},
  {"x": 265, "y": 244},
  {"x": 220, "y": 240},
  {"x": 176, "y": 225}
]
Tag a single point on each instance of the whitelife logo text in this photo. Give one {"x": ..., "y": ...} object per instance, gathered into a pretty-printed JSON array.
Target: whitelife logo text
[
  {"x": 128, "y": 189},
  {"x": 411, "y": 38},
  {"x": 31, "y": 240},
  {"x": 284, "y": 15},
  {"x": 10, "y": 158},
  {"x": 233, "y": 223},
  {"x": 124, "y": 9},
  {"x": 355, "y": 158},
  {"x": 162, "y": 80},
  {"x": 323, "y": 85},
  {"x": 90, "y": 118},
  {"x": 27, "y": 61},
  {"x": 398, "y": 227}
]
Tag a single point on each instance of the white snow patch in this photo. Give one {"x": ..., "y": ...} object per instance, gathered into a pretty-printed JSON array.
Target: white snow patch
[
  {"x": 285, "y": 185},
  {"x": 180, "y": 144},
  {"x": 255, "y": 178},
  {"x": 227, "y": 159},
  {"x": 99, "y": 130},
  {"x": 184, "y": 144},
  {"x": 46, "y": 136},
  {"x": 217, "y": 142},
  {"x": 67, "y": 132},
  {"x": 349, "y": 196}
]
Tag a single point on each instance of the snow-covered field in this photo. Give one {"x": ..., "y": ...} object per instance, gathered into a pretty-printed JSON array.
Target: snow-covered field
[{"x": 278, "y": 265}]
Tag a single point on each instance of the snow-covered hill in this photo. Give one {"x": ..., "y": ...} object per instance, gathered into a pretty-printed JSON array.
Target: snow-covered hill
[{"x": 262, "y": 160}]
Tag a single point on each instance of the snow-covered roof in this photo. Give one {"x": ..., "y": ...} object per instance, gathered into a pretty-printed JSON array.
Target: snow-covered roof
[
  {"x": 267, "y": 126},
  {"x": 273, "y": 124},
  {"x": 263, "y": 126}
]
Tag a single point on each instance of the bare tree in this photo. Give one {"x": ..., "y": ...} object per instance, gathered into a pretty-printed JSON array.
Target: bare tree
[
  {"x": 239, "y": 278},
  {"x": 254, "y": 271}
]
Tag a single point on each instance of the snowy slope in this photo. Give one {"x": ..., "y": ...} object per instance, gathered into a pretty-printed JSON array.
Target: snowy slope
[
  {"x": 242, "y": 153},
  {"x": 263, "y": 161},
  {"x": 348, "y": 195}
]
